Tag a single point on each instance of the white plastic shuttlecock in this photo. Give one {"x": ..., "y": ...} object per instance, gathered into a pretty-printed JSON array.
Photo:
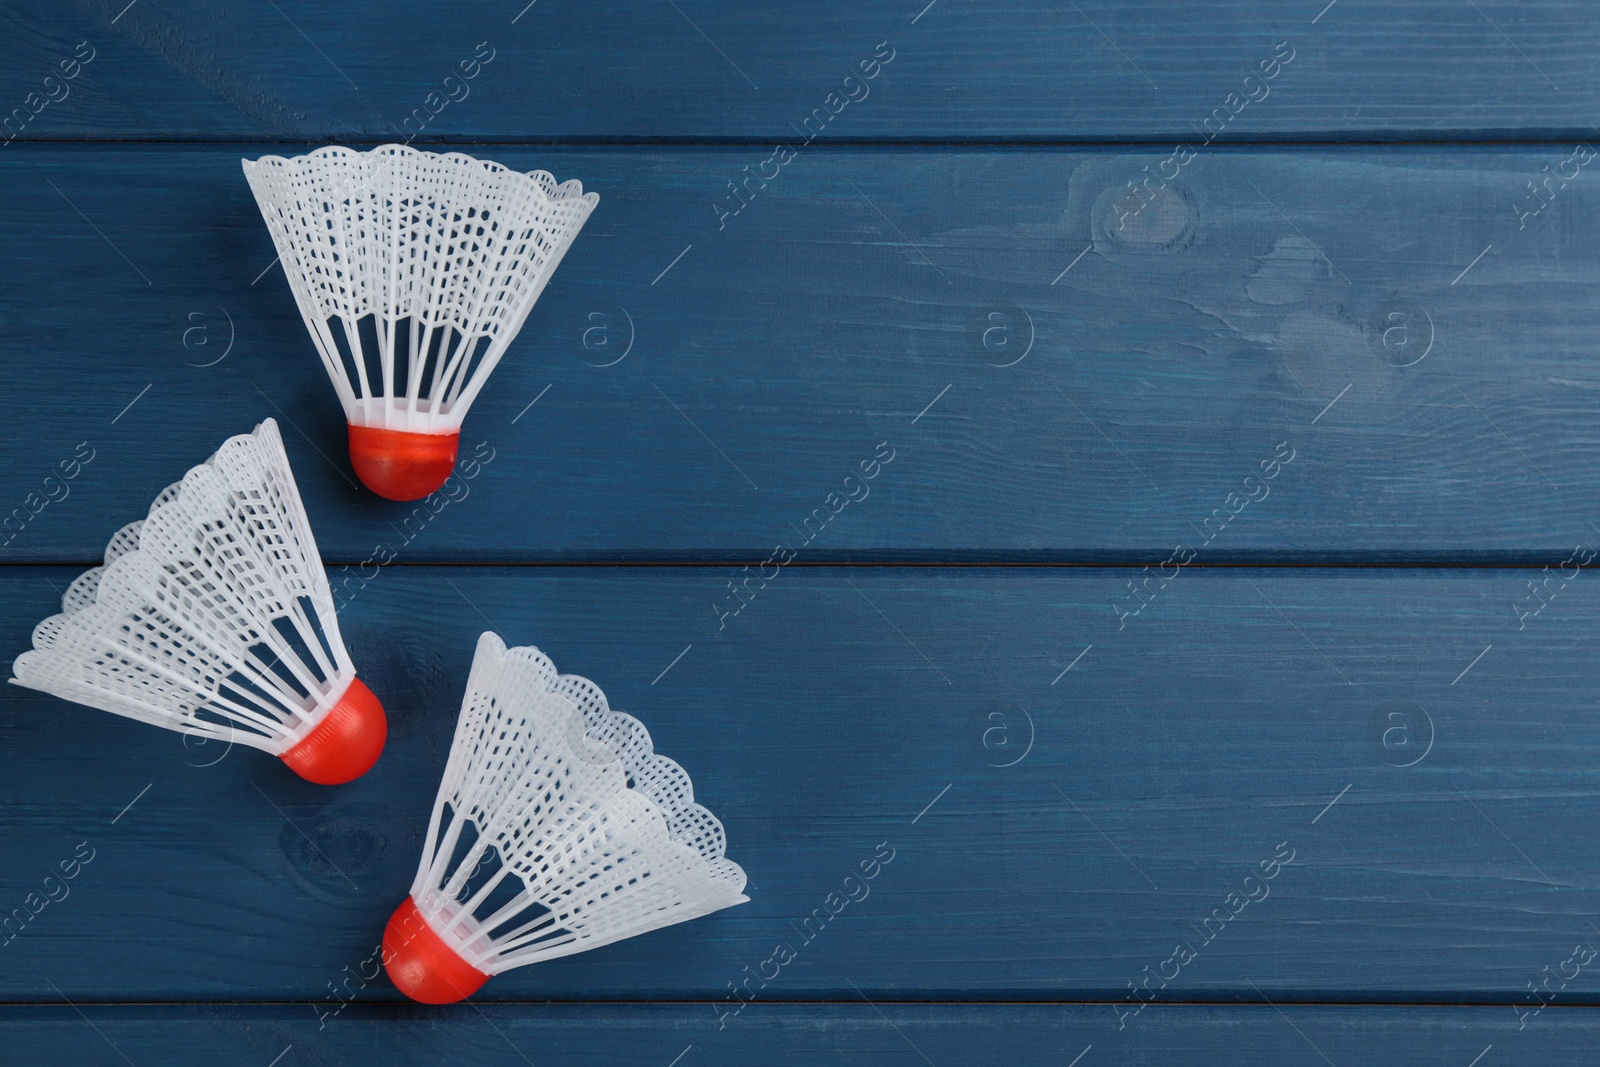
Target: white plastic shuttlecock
[
  {"x": 212, "y": 616},
  {"x": 413, "y": 272},
  {"x": 557, "y": 829}
]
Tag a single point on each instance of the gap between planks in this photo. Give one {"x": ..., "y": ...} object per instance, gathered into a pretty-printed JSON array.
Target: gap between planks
[
  {"x": 1134, "y": 564},
  {"x": 1280, "y": 140},
  {"x": 1219, "y": 999}
]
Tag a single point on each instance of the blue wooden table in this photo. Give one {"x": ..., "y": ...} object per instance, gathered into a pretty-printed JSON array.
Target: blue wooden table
[{"x": 1210, "y": 652}]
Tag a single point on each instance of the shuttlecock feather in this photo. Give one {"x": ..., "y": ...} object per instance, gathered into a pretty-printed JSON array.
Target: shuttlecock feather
[
  {"x": 212, "y": 616},
  {"x": 413, "y": 271},
  {"x": 556, "y": 829}
]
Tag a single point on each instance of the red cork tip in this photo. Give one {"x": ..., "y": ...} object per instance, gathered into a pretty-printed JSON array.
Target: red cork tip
[
  {"x": 346, "y": 743},
  {"x": 421, "y": 965},
  {"x": 400, "y": 465}
]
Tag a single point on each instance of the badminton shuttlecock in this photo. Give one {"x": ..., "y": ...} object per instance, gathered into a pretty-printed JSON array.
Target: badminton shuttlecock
[
  {"x": 413, "y": 272},
  {"x": 212, "y": 616},
  {"x": 557, "y": 829}
]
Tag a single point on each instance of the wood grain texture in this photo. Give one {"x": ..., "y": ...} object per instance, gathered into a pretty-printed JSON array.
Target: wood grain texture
[
  {"x": 944, "y": 1035},
  {"x": 1062, "y": 374},
  {"x": 1361, "y": 69},
  {"x": 1055, "y": 283},
  {"x": 1054, "y": 831}
]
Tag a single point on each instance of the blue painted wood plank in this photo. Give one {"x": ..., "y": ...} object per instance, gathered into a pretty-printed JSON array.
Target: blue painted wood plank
[
  {"x": 1060, "y": 372},
  {"x": 1327, "y": 785},
  {"x": 686, "y": 1035},
  {"x": 703, "y": 70}
]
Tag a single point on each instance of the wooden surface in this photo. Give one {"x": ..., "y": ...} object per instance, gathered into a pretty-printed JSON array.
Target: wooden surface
[
  {"x": 1092, "y": 819},
  {"x": 908, "y": 296},
  {"x": 1030, "y": 1035},
  {"x": 616, "y": 70},
  {"x": 1212, "y": 625}
]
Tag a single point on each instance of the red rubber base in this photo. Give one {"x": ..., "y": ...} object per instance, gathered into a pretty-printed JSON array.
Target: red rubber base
[
  {"x": 421, "y": 965},
  {"x": 399, "y": 465},
  {"x": 346, "y": 744}
]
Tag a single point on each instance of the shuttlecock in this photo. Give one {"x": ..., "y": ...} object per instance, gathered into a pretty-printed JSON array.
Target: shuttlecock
[
  {"x": 212, "y": 616},
  {"x": 413, "y": 272},
  {"x": 556, "y": 830}
]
